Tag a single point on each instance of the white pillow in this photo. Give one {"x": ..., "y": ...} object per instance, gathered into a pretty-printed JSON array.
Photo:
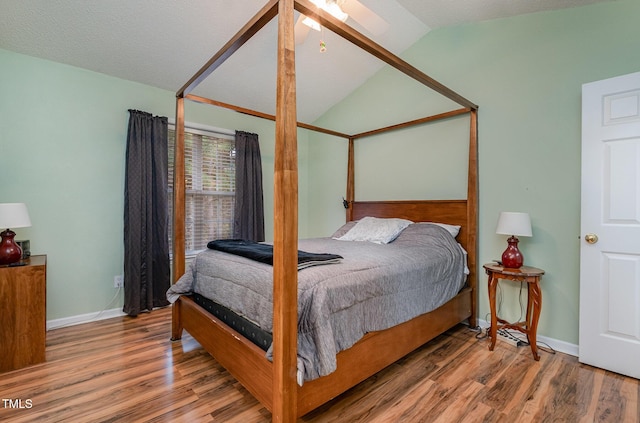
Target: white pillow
[
  {"x": 377, "y": 230},
  {"x": 452, "y": 229}
]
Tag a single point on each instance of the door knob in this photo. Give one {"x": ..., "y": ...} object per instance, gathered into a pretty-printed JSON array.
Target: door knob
[{"x": 591, "y": 238}]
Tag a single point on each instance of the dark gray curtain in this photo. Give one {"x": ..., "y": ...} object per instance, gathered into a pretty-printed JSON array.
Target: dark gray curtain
[
  {"x": 248, "y": 222},
  {"x": 146, "y": 241}
]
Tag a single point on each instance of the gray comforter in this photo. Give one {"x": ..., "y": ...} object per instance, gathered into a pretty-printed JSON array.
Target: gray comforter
[{"x": 374, "y": 287}]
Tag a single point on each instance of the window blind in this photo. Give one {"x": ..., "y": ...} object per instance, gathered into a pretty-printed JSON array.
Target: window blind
[{"x": 210, "y": 187}]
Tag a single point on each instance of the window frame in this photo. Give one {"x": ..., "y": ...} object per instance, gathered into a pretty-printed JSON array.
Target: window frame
[{"x": 204, "y": 130}]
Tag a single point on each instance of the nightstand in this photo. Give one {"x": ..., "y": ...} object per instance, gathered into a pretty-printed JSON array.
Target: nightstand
[
  {"x": 23, "y": 294},
  {"x": 529, "y": 326}
]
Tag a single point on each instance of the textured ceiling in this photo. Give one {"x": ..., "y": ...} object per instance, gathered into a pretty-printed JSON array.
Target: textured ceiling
[
  {"x": 162, "y": 43},
  {"x": 439, "y": 13}
]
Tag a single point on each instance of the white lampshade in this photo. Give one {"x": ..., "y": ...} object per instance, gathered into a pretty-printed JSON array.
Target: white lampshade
[
  {"x": 14, "y": 215},
  {"x": 513, "y": 223}
]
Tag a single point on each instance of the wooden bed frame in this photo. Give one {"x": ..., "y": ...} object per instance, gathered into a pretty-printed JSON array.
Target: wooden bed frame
[
  {"x": 274, "y": 383},
  {"x": 247, "y": 362}
]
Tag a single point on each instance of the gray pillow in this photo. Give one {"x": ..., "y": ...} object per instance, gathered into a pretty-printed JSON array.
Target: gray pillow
[{"x": 376, "y": 230}]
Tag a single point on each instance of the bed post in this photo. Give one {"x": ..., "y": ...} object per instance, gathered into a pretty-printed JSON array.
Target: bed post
[
  {"x": 472, "y": 213},
  {"x": 178, "y": 194},
  {"x": 274, "y": 384},
  {"x": 350, "y": 180},
  {"x": 178, "y": 215},
  {"x": 285, "y": 234}
]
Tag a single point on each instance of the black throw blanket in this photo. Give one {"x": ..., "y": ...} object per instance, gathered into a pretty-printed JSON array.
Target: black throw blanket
[{"x": 264, "y": 252}]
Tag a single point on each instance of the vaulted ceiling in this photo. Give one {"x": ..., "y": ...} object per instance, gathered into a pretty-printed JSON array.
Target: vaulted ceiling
[{"x": 162, "y": 43}]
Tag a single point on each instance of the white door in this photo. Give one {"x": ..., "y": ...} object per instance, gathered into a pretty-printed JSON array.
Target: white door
[{"x": 610, "y": 264}]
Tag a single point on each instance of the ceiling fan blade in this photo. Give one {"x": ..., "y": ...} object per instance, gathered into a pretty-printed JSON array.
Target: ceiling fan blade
[
  {"x": 301, "y": 30},
  {"x": 360, "y": 13}
]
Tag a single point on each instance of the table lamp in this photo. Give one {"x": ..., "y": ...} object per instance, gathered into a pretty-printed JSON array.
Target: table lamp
[
  {"x": 12, "y": 215},
  {"x": 514, "y": 224}
]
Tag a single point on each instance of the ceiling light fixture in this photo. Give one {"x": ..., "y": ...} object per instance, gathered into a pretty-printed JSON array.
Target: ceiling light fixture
[
  {"x": 311, "y": 23},
  {"x": 329, "y": 6}
]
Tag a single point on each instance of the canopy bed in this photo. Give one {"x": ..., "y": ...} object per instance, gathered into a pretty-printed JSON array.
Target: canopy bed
[{"x": 274, "y": 382}]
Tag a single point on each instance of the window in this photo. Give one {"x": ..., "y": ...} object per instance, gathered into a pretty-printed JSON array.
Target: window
[{"x": 210, "y": 186}]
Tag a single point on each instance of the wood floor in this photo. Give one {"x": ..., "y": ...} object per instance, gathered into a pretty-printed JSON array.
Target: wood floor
[{"x": 127, "y": 370}]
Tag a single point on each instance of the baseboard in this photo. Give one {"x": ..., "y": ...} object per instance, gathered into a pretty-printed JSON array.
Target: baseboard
[
  {"x": 556, "y": 344},
  {"x": 84, "y": 318}
]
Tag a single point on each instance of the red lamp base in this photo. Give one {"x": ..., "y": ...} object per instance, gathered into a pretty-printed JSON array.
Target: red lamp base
[
  {"x": 10, "y": 252},
  {"x": 512, "y": 257}
]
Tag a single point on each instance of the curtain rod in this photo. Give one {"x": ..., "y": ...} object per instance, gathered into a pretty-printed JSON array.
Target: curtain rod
[{"x": 203, "y": 127}]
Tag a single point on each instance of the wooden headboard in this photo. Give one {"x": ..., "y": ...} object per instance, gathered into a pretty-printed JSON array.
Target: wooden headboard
[{"x": 452, "y": 212}]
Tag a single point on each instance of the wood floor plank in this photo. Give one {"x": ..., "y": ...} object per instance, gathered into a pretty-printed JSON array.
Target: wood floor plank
[
  {"x": 538, "y": 394},
  {"x": 611, "y": 403},
  {"x": 127, "y": 370},
  {"x": 631, "y": 393},
  {"x": 518, "y": 395},
  {"x": 458, "y": 408}
]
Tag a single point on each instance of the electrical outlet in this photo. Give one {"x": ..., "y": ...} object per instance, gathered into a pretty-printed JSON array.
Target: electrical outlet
[
  {"x": 118, "y": 281},
  {"x": 507, "y": 339}
]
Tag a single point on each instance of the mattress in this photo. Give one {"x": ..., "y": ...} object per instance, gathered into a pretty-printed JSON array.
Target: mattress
[
  {"x": 246, "y": 328},
  {"x": 372, "y": 288}
]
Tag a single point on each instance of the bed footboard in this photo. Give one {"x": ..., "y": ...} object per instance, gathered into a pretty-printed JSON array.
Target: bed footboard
[{"x": 247, "y": 363}]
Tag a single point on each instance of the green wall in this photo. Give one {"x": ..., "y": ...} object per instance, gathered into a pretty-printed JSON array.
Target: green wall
[
  {"x": 63, "y": 134},
  {"x": 525, "y": 73},
  {"x": 62, "y": 149}
]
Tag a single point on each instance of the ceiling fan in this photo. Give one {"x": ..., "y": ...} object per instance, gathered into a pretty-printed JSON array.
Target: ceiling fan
[{"x": 342, "y": 10}]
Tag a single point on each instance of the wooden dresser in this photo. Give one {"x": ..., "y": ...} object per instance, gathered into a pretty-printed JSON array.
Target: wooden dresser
[{"x": 23, "y": 294}]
